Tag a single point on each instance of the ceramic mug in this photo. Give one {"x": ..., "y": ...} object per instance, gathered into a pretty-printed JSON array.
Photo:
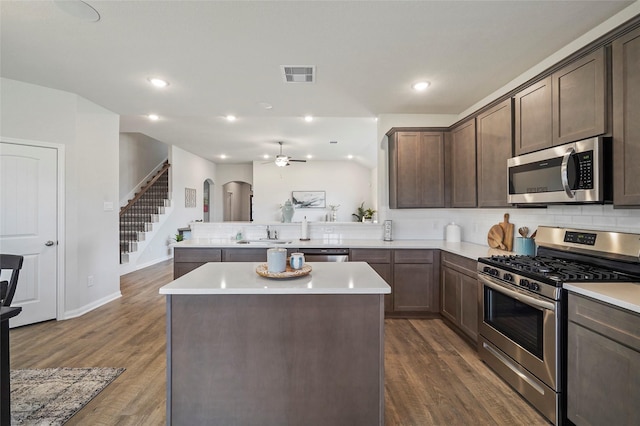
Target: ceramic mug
[
  {"x": 297, "y": 260},
  {"x": 277, "y": 260},
  {"x": 525, "y": 246}
]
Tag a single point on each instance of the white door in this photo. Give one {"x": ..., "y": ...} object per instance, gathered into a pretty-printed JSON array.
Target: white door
[{"x": 28, "y": 226}]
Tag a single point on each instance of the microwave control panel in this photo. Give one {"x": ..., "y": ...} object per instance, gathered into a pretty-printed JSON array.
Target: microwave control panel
[{"x": 585, "y": 167}]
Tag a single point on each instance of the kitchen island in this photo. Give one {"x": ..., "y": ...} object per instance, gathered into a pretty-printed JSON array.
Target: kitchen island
[{"x": 247, "y": 350}]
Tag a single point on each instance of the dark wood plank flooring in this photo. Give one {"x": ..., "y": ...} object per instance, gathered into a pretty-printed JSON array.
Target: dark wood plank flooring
[{"x": 432, "y": 376}]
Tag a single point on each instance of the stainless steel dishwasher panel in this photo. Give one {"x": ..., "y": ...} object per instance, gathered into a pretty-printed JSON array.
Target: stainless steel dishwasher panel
[{"x": 325, "y": 255}]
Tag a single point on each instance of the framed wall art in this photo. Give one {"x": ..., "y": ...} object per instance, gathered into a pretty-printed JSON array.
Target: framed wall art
[
  {"x": 189, "y": 197},
  {"x": 308, "y": 199}
]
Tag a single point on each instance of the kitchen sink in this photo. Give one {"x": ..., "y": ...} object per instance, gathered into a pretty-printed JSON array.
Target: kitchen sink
[{"x": 264, "y": 242}]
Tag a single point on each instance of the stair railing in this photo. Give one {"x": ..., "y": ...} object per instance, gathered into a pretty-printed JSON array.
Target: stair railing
[{"x": 143, "y": 205}]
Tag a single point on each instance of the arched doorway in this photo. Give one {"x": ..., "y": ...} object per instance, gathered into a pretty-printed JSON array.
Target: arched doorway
[
  {"x": 207, "y": 202},
  {"x": 237, "y": 204}
]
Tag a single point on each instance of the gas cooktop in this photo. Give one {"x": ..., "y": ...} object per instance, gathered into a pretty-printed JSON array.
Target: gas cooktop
[{"x": 555, "y": 270}]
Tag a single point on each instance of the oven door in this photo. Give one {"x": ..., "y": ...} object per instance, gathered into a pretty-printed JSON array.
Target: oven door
[{"x": 523, "y": 326}]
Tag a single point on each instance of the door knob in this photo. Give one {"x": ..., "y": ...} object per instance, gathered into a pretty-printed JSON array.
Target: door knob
[{"x": 49, "y": 243}]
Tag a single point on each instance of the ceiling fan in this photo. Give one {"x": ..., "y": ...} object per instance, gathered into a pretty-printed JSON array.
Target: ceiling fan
[{"x": 284, "y": 160}]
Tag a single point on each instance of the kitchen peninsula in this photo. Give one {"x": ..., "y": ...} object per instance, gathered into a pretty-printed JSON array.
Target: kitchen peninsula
[{"x": 245, "y": 349}]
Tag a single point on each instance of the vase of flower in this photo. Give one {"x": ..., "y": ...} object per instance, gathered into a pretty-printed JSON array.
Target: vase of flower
[
  {"x": 287, "y": 211},
  {"x": 333, "y": 213}
]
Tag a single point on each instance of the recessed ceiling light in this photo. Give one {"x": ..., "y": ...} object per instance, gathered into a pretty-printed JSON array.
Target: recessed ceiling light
[
  {"x": 153, "y": 117},
  {"x": 266, "y": 156},
  {"x": 231, "y": 118},
  {"x": 420, "y": 86},
  {"x": 350, "y": 156},
  {"x": 223, "y": 156},
  {"x": 158, "y": 82},
  {"x": 308, "y": 118},
  {"x": 309, "y": 156}
]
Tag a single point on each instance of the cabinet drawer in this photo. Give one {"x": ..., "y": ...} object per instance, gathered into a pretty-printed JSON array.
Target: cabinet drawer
[
  {"x": 460, "y": 263},
  {"x": 182, "y": 254},
  {"x": 245, "y": 255},
  {"x": 617, "y": 324},
  {"x": 413, "y": 256},
  {"x": 370, "y": 255}
]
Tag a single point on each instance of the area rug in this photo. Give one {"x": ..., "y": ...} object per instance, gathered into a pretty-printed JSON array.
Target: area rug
[{"x": 51, "y": 396}]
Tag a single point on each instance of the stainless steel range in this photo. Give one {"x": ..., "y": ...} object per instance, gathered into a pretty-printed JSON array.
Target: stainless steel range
[{"x": 523, "y": 325}]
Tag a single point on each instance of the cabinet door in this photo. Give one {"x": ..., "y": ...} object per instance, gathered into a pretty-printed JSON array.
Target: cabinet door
[
  {"x": 579, "y": 99},
  {"x": 603, "y": 380},
  {"x": 495, "y": 147},
  {"x": 626, "y": 126},
  {"x": 186, "y": 260},
  {"x": 384, "y": 270},
  {"x": 533, "y": 118},
  {"x": 450, "y": 290},
  {"x": 244, "y": 255},
  {"x": 462, "y": 162},
  {"x": 414, "y": 288},
  {"x": 469, "y": 301},
  {"x": 416, "y": 170}
]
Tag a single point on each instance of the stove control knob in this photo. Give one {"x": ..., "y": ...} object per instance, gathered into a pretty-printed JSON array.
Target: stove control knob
[
  {"x": 534, "y": 287},
  {"x": 508, "y": 277},
  {"x": 524, "y": 283},
  {"x": 486, "y": 269}
]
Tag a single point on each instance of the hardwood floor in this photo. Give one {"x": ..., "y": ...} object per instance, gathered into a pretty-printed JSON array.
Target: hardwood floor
[{"x": 432, "y": 376}]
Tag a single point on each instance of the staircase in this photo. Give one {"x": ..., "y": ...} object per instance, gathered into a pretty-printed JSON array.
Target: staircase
[{"x": 138, "y": 216}]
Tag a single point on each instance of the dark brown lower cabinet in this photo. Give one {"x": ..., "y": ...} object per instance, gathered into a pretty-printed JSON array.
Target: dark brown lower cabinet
[
  {"x": 415, "y": 281},
  {"x": 460, "y": 293},
  {"x": 244, "y": 255},
  {"x": 186, "y": 259},
  {"x": 380, "y": 261},
  {"x": 603, "y": 368}
]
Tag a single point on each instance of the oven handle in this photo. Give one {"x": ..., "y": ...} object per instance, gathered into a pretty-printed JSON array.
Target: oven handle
[
  {"x": 531, "y": 301},
  {"x": 564, "y": 172}
]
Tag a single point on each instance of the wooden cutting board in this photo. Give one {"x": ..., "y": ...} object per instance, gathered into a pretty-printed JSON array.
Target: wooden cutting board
[
  {"x": 495, "y": 237},
  {"x": 507, "y": 229}
]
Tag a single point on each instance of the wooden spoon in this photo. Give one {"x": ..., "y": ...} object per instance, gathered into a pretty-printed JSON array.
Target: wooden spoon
[{"x": 524, "y": 231}]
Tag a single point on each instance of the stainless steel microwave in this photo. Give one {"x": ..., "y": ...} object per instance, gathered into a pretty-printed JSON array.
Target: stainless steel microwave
[{"x": 577, "y": 172}]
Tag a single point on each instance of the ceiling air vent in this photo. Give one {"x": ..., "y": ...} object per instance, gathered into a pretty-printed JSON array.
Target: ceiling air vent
[{"x": 298, "y": 73}]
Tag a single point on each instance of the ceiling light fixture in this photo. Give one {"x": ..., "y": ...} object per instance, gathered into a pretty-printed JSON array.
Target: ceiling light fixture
[
  {"x": 231, "y": 118},
  {"x": 266, "y": 156},
  {"x": 350, "y": 156},
  {"x": 308, "y": 118},
  {"x": 223, "y": 156},
  {"x": 153, "y": 117},
  {"x": 282, "y": 160},
  {"x": 309, "y": 156},
  {"x": 158, "y": 82},
  {"x": 421, "y": 85}
]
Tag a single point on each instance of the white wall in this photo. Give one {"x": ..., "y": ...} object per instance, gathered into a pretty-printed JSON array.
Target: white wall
[
  {"x": 139, "y": 155},
  {"x": 187, "y": 171},
  {"x": 345, "y": 183},
  {"x": 90, "y": 136}
]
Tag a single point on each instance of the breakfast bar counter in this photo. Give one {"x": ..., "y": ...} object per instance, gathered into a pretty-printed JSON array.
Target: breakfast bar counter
[{"x": 244, "y": 349}]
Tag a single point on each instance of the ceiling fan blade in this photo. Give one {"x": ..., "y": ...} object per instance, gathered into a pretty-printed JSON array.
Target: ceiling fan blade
[{"x": 298, "y": 161}]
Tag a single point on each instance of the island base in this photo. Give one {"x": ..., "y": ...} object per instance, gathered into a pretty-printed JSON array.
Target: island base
[{"x": 275, "y": 359}]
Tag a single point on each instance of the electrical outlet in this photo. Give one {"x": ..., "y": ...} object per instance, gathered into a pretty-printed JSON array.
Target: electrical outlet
[{"x": 90, "y": 281}]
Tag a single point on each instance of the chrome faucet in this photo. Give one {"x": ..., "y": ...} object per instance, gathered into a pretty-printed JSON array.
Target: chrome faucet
[{"x": 273, "y": 236}]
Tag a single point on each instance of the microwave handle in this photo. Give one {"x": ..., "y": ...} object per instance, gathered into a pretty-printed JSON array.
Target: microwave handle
[{"x": 564, "y": 172}]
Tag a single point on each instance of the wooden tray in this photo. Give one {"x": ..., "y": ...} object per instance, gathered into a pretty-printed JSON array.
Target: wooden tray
[{"x": 263, "y": 271}]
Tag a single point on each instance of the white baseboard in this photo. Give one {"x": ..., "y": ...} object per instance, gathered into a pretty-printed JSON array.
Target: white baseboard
[
  {"x": 153, "y": 262},
  {"x": 91, "y": 306}
]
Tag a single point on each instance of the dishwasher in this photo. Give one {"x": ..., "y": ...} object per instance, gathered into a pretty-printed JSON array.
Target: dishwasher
[{"x": 325, "y": 255}]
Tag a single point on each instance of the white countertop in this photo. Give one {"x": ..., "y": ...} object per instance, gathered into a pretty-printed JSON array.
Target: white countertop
[
  {"x": 469, "y": 250},
  {"x": 241, "y": 278},
  {"x": 622, "y": 295}
]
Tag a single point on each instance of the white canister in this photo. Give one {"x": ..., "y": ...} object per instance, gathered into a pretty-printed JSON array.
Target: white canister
[
  {"x": 296, "y": 260},
  {"x": 452, "y": 233},
  {"x": 277, "y": 259}
]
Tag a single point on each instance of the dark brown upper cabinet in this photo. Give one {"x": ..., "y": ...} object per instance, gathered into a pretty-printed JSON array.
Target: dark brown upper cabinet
[
  {"x": 416, "y": 169},
  {"x": 495, "y": 147},
  {"x": 533, "y": 118},
  {"x": 461, "y": 162},
  {"x": 626, "y": 122},
  {"x": 579, "y": 99}
]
